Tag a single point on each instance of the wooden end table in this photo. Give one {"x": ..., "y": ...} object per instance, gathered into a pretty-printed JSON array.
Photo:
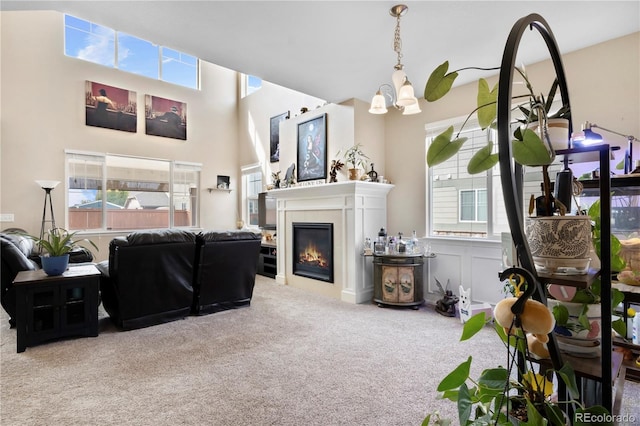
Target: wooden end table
[{"x": 49, "y": 308}]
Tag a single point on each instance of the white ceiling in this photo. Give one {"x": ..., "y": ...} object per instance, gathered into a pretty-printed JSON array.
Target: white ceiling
[{"x": 336, "y": 50}]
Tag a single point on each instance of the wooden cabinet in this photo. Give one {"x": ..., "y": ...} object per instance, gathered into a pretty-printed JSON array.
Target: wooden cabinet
[
  {"x": 398, "y": 280},
  {"x": 268, "y": 261},
  {"x": 50, "y": 308}
]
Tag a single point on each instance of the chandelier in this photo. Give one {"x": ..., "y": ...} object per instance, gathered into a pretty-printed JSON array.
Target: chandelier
[{"x": 401, "y": 95}]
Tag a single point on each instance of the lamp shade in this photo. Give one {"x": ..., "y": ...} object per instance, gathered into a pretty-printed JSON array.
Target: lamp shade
[
  {"x": 378, "y": 104},
  {"x": 586, "y": 137},
  {"x": 412, "y": 108},
  {"x": 47, "y": 184},
  {"x": 406, "y": 96}
]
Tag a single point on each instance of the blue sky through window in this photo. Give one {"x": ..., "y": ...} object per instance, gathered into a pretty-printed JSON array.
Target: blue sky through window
[{"x": 95, "y": 43}]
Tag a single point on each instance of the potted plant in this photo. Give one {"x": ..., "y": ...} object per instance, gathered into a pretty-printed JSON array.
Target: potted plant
[
  {"x": 501, "y": 398},
  {"x": 530, "y": 148},
  {"x": 577, "y": 311},
  {"x": 357, "y": 159},
  {"x": 57, "y": 243}
]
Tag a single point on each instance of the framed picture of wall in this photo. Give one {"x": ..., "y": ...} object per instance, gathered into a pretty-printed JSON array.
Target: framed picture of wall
[
  {"x": 110, "y": 107},
  {"x": 312, "y": 149},
  {"x": 165, "y": 117},
  {"x": 275, "y": 135}
]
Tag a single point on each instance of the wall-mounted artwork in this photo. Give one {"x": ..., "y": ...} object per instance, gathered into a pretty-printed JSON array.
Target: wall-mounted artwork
[
  {"x": 275, "y": 135},
  {"x": 165, "y": 117},
  {"x": 312, "y": 149},
  {"x": 110, "y": 107}
]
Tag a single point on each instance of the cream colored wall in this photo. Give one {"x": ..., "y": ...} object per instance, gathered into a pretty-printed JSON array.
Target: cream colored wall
[
  {"x": 254, "y": 113},
  {"x": 43, "y": 114},
  {"x": 604, "y": 88}
]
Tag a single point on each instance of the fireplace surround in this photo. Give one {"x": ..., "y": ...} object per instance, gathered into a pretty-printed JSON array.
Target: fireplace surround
[{"x": 357, "y": 210}]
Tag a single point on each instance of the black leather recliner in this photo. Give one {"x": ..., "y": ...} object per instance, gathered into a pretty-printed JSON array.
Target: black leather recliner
[
  {"x": 148, "y": 278},
  {"x": 226, "y": 268},
  {"x": 16, "y": 250}
]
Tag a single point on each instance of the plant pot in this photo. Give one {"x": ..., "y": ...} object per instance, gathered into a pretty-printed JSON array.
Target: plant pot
[
  {"x": 573, "y": 329},
  {"x": 54, "y": 265},
  {"x": 560, "y": 242},
  {"x": 354, "y": 174},
  {"x": 557, "y": 131}
]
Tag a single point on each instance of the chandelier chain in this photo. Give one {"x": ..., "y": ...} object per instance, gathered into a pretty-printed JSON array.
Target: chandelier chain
[{"x": 397, "y": 43}]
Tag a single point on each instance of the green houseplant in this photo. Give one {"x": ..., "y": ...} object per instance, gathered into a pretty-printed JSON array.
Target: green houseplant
[
  {"x": 588, "y": 297},
  {"x": 496, "y": 397},
  {"x": 357, "y": 159},
  {"x": 57, "y": 243},
  {"x": 529, "y": 148}
]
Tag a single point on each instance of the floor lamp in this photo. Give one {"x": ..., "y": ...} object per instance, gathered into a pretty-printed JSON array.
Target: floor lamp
[{"x": 48, "y": 186}]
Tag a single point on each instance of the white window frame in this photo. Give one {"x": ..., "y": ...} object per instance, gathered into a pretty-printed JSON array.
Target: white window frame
[
  {"x": 247, "y": 171},
  {"x": 174, "y": 167}
]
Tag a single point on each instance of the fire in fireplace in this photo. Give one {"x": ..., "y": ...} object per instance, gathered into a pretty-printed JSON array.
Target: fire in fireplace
[{"x": 313, "y": 250}]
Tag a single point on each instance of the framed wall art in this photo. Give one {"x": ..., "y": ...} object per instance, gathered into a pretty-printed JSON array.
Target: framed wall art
[
  {"x": 165, "y": 117},
  {"x": 110, "y": 107},
  {"x": 312, "y": 149},
  {"x": 275, "y": 136}
]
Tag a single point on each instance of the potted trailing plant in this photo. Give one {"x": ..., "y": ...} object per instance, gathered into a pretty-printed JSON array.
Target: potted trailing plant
[
  {"x": 577, "y": 311},
  {"x": 355, "y": 157},
  {"x": 529, "y": 148},
  {"x": 57, "y": 243},
  {"x": 498, "y": 397}
]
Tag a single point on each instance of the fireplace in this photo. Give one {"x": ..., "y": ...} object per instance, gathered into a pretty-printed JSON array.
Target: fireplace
[{"x": 313, "y": 250}]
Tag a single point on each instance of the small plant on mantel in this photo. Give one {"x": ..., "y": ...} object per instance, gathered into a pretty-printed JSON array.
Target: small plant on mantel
[
  {"x": 529, "y": 148},
  {"x": 356, "y": 158}
]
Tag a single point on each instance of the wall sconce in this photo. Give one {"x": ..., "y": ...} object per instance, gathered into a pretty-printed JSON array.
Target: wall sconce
[
  {"x": 588, "y": 137},
  {"x": 401, "y": 95}
]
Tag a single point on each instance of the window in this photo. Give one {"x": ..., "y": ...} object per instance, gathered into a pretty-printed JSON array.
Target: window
[
  {"x": 113, "y": 192},
  {"x": 91, "y": 42},
  {"x": 459, "y": 202},
  {"x": 473, "y": 205},
  {"x": 251, "y": 84},
  {"x": 251, "y": 186}
]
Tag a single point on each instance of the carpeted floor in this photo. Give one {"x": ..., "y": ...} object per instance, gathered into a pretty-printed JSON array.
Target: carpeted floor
[{"x": 291, "y": 358}]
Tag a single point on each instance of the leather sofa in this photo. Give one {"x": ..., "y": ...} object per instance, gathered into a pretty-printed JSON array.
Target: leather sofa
[
  {"x": 153, "y": 277},
  {"x": 16, "y": 250},
  {"x": 226, "y": 269},
  {"x": 148, "y": 278},
  {"x": 18, "y": 254}
]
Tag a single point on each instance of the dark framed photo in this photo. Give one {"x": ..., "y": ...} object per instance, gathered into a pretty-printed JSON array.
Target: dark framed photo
[
  {"x": 312, "y": 149},
  {"x": 165, "y": 117},
  {"x": 110, "y": 107},
  {"x": 275, "y": 135}
]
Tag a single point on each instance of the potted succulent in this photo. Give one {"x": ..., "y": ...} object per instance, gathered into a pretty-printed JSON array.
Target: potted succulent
[
  {"x": 57, "y": 243},
  {"x": 355, "y": 157}
]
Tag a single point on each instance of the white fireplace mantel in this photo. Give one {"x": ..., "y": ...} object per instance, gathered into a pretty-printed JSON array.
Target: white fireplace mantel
[{"x": 356, "y": 209}]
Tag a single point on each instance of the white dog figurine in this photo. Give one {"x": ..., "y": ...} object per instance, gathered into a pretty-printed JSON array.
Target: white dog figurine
[{"x": 467, "y": 310}]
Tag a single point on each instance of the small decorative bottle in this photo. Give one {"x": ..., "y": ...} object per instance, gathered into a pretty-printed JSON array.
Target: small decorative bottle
[
  {"x": 415, "y": 243},
  {"x": 401, "y": 244}
]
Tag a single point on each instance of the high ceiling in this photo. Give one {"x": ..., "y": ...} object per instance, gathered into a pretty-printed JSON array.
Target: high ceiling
[{"x": 336, "y": 50}]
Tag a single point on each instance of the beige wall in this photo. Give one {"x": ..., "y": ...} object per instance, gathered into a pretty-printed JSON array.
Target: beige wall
[
  {"x": 43, "y": 114},
  {"x": 604, "y": 88}
]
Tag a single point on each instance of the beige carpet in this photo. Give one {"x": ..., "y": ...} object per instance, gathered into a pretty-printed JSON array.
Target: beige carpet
[{"x": 291, "y": 358}]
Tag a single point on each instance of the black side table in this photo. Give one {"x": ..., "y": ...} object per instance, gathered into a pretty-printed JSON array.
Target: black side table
[{"x": 49, "y": 308}]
